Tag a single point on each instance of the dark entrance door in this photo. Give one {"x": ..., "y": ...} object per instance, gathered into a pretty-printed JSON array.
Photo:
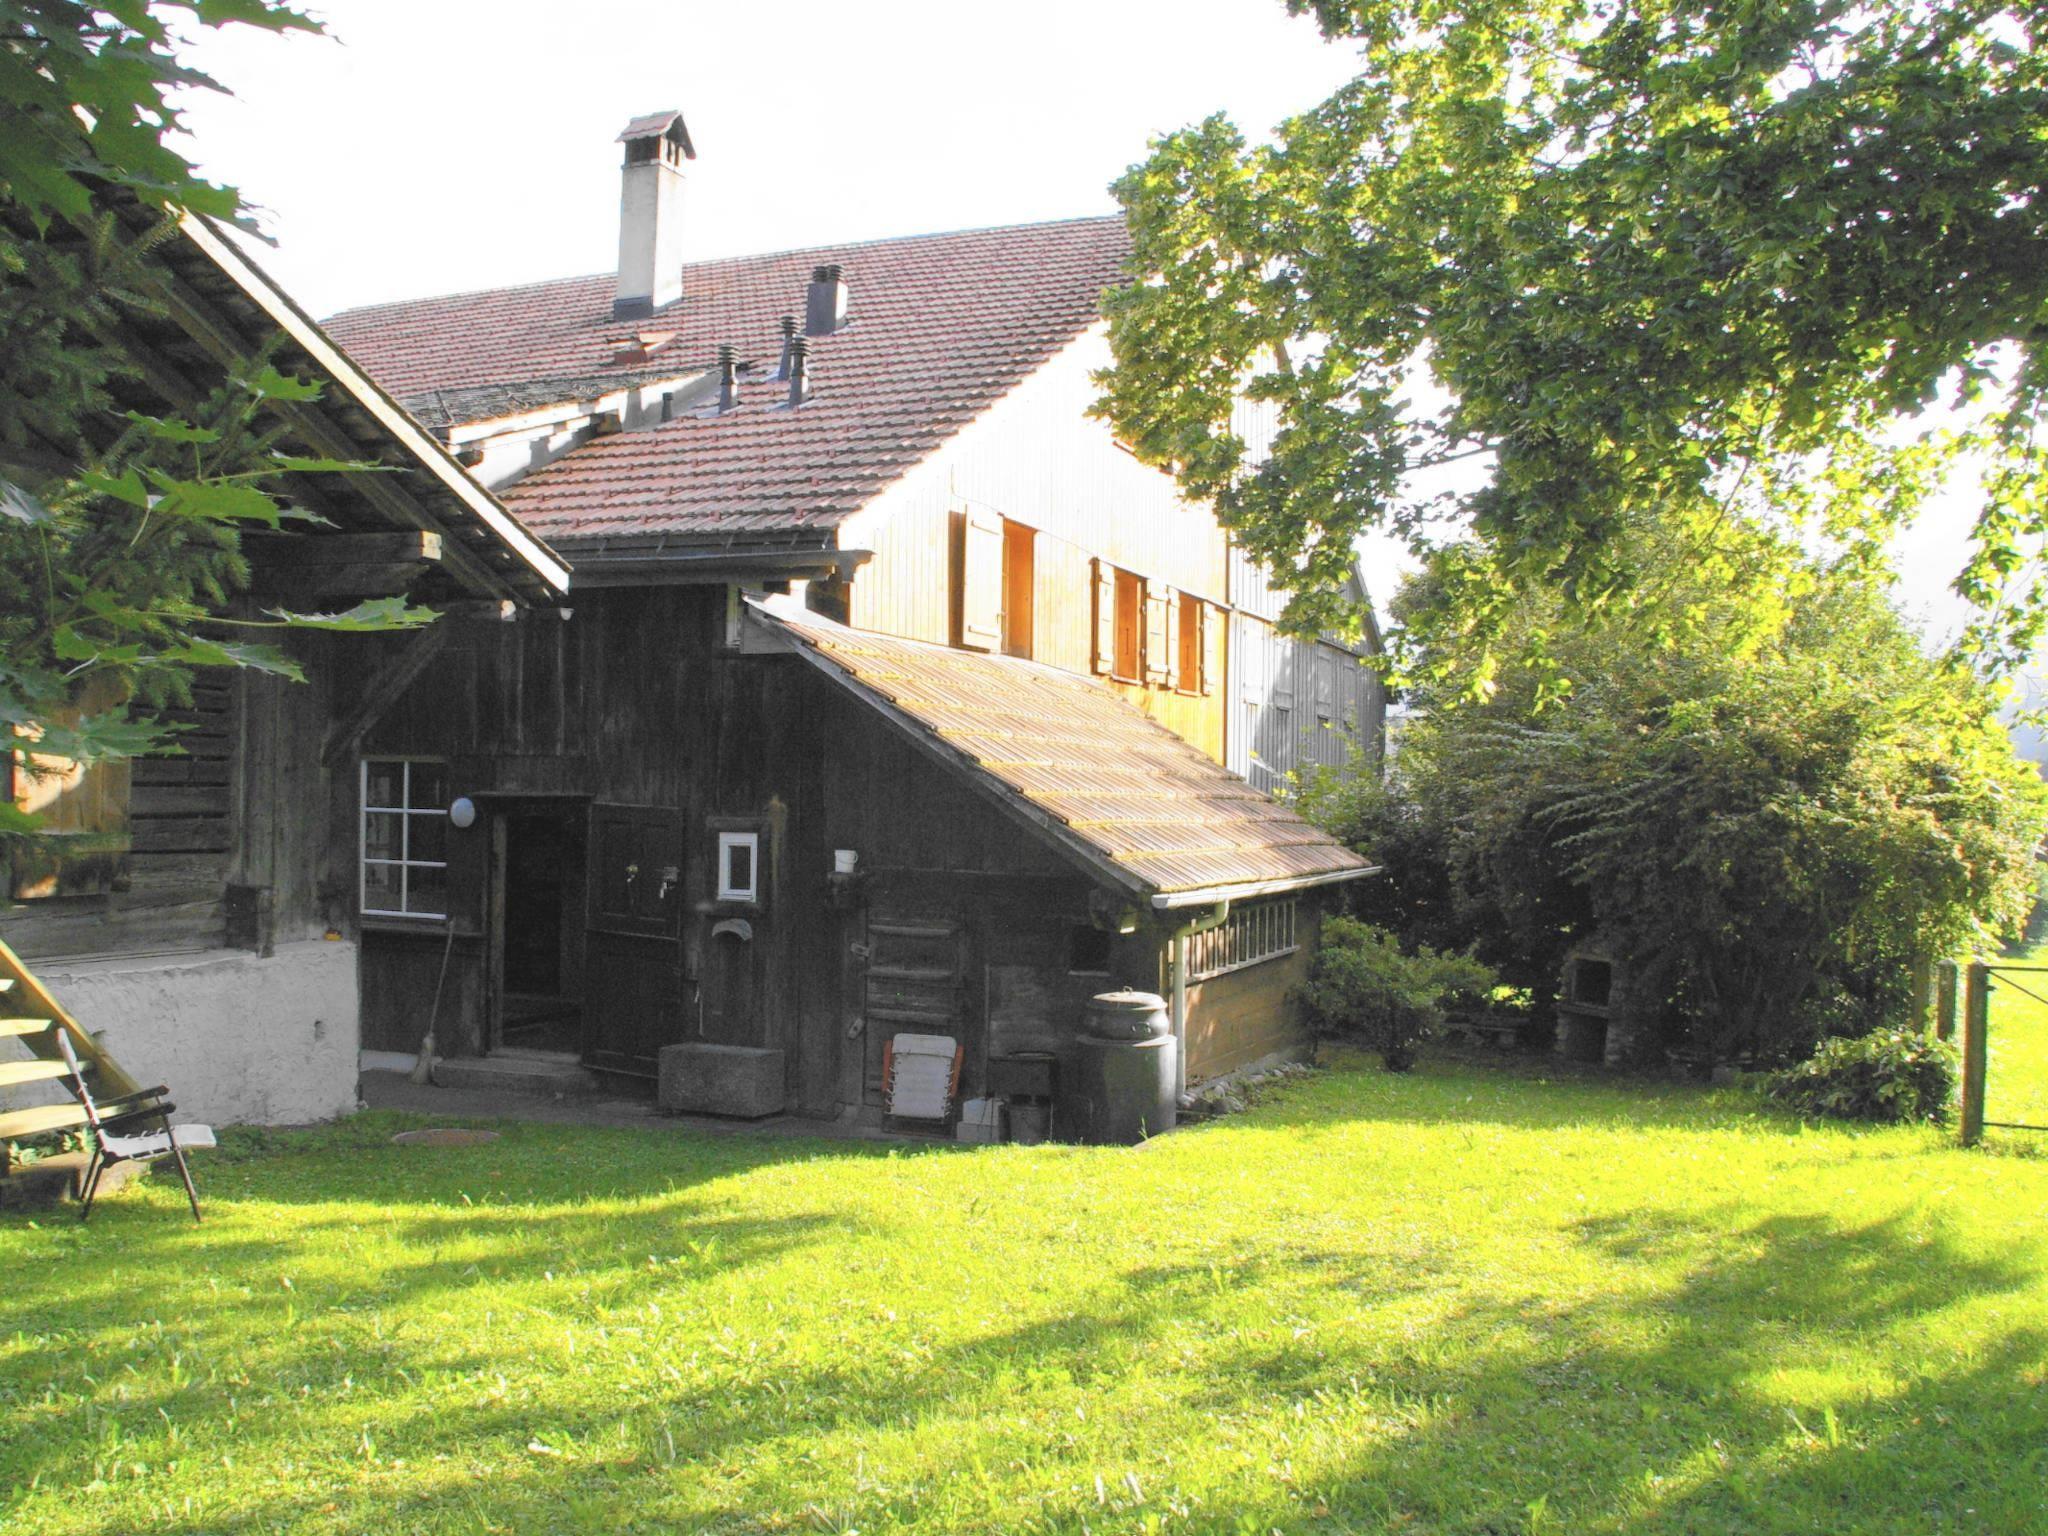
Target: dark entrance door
[
  {"x": 633, "y": 967},
  {"x": 538, "y": 865}
]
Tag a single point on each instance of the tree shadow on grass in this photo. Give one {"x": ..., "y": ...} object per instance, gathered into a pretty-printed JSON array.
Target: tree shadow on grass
[
  {"x": 1719, "y": 1379},
  {"x": 1675, "y": 1399}
]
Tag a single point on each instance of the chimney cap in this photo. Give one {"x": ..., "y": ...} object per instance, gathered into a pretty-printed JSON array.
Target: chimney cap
[{"x": 654, "y": 125}]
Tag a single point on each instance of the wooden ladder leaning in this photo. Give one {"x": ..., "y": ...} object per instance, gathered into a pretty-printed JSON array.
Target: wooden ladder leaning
[{"x": 30, "y": 1015}]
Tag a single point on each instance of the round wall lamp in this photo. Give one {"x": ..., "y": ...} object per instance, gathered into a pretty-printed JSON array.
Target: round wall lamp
[{"x": 462, "y": 814}]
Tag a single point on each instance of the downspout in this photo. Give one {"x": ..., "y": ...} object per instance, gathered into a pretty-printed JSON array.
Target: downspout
[{"x": 1177, "y": 962}]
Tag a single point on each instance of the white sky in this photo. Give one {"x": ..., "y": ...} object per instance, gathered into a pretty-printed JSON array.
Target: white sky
[
  {"x": 438, "y": 146},
  {"x": 441, "y": 145}
]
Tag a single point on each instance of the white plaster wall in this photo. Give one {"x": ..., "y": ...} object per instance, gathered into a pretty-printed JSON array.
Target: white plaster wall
[{"x": 239, "y": 1039}]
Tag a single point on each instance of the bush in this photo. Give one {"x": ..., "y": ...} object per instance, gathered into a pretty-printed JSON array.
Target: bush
[
  {"x": 1364, "y": 990},
  {"x": 1891, "y": 1076}
]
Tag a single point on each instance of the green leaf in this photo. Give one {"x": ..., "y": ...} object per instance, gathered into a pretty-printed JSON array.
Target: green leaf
[
  {"x": 267, "y": 383},
  {"x": 173, "y": 431},
  {"x": 235, "y": 653},
  {"x": 372, "y": 616}
]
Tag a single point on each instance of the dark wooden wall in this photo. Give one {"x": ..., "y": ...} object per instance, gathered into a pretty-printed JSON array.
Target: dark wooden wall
[
  {"x": 1244, "y": 1015},
  {"x": 631, "y": 702}
]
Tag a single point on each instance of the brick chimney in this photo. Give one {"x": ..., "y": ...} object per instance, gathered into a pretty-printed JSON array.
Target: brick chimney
[{"x": 651, "y": 213}]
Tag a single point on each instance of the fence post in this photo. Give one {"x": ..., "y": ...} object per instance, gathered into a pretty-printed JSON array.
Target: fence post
[
  {"x": 1976, "y": 1020},
  {"x": 1945, "y": 1000},
  {"x": 1923, "y": 995}
]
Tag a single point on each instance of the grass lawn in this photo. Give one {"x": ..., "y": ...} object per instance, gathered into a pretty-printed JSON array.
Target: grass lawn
[
  {"x": 1473, "y": 1299},
  {"x": 2016, "y": 1075}
]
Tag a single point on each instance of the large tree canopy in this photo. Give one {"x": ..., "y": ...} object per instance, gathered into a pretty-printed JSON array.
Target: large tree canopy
[
  {"x": 1776, "y": 814},
  {"x": 1666, "y": 259}
]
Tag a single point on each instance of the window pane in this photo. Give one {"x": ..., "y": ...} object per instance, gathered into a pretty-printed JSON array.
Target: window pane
[
  {"x": 739, "y": 867},
  {"x": 429, "y": 838},
  {"x": 381, "y": 832},
  {"x": 426, "y": 889},
  {"x": 380, "y": 888},
  {"x": 383, "y": 783},
  {"x": 429, "y": 789}
]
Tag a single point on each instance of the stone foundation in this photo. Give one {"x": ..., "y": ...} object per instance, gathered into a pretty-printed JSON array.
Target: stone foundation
[{"x": 238, "y": 1038}]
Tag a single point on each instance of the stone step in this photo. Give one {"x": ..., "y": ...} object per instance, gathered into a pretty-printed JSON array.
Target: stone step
[{"x": 544, "y": 1076}]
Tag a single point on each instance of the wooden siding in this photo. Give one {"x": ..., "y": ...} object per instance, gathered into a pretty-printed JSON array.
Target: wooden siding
[
  {"x": 171, "y": 896},
  {"x": 630, "y": 701},
  {"x": 1246, "y": 1015},
  {"x": 1037, "y": 459},
  {"x": 1296, "y": 704}
]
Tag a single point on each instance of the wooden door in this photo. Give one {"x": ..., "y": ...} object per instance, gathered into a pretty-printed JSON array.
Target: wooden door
[
  {"x": 633, "y": 971},
  {"x": 916, "y": 983},
  {"x": 731, "y": 1015}
]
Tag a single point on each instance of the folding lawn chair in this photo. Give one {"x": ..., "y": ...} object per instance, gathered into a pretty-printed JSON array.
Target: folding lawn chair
[{"x": 107, "y": 1125}]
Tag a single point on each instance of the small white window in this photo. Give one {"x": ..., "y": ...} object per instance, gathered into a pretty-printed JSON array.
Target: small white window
[
  {"x": 404, "y": 838},
  {"x": 739, "y": 866}
]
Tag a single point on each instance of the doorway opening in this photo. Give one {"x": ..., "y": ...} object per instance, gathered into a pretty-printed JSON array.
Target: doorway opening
[{"x": 537, "y": 929}]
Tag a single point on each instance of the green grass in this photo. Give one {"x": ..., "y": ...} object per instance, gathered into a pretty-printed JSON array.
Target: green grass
[
  {"x": 1473, "y": 1299},
  {"x": 2016, "y": 1048}
]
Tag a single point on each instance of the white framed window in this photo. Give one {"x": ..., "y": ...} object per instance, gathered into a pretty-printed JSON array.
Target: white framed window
[
  {"x": 404, "y": 838},
  {"x": 739, "y": 866},
  {"x": 1253, "y": 934}
]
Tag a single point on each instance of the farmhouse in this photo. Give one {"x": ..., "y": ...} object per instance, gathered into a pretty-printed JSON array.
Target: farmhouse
[{"x": 894, "y": 694}]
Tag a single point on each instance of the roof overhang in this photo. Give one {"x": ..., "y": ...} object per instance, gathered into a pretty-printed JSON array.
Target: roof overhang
[
  {"x": 1208, "y": 896},
  {"x": 523, "y": 563},
  {"x": 708, "y": 567},
  {"x": 769, "y": 634}
]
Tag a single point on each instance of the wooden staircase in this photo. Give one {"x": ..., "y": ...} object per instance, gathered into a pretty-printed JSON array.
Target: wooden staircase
[{"x": 30, "y": 1015}]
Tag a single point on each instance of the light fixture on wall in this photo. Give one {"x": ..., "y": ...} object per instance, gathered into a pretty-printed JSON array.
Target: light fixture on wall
[{"x": 462, "y": 814}]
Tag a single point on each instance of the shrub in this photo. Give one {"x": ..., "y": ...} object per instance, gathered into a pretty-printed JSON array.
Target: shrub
[
  {"x": 1893, "y": 1075},
  {"x": 1364, "y": 990}
]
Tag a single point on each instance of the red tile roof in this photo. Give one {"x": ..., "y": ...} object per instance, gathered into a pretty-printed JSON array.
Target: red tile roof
[
  {"x": 1145, "y": 802},
  {"x": 941, "y": 326}
]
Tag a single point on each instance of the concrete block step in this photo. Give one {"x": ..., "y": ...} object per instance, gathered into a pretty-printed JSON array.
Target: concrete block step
[{"x": 541, "y": 1076}]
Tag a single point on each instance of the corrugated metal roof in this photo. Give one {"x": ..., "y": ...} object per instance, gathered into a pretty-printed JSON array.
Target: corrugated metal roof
[{"x": 1143, "y": 799}]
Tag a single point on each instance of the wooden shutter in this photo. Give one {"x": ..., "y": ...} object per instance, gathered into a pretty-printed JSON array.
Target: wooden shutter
[
  {"x": 1169, "y": 658},
  {"x": 1158, "y": 659},
  {"x": 1326, "y": 681},
  {"x": 981, "y": 580},
  {"x": 1210, "y": 645},
  {"x": 1105, "y": 616}
]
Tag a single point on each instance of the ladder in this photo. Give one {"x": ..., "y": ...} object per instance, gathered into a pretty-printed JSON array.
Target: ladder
[{"x": 30, "y": 1015}]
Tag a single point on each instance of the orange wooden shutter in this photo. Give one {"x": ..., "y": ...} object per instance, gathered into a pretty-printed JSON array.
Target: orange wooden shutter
[{"x": 1210, "y": 646}]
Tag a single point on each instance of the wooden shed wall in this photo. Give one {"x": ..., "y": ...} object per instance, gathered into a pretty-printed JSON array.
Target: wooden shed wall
[
  {"x": 630, "y": 702},
  {"x": 1246, "y": 1015},
  {"x": 246, "y": 803}
]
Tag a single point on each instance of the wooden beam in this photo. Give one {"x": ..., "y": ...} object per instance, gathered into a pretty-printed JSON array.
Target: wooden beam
[
  {"x": 334, "y": 583},
  {"x": 296, "y": 551},
  {"x": 384, "y": 688}
]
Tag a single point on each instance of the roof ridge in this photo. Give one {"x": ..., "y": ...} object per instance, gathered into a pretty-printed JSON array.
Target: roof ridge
[{"x": 743, "y": 256}]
